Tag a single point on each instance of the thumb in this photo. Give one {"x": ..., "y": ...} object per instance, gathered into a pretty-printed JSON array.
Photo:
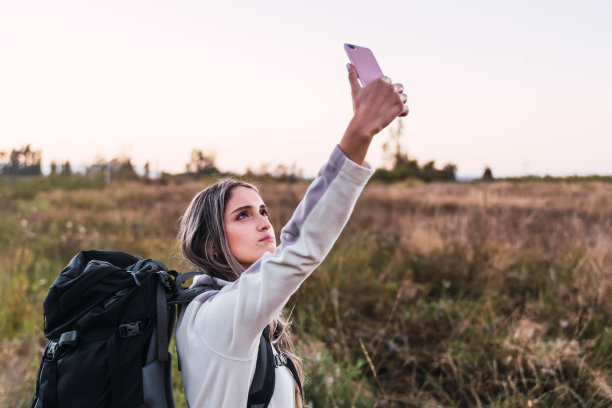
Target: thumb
[{"x": 353, "y": 79}]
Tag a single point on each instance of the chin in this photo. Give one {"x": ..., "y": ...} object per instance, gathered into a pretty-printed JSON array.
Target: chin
[
  {"x": 266, "y": 251},
  {"x": 261, "y": 254}
]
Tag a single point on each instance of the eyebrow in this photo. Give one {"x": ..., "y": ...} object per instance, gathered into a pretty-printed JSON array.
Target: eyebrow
[{"x": 247, "y": 207}]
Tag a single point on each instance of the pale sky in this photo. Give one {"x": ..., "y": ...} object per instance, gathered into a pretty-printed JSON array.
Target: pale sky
[{"x": 521, "y": 86}]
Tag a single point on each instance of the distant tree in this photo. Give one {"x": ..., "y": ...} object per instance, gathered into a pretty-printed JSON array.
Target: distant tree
[
  {"x": 147, "y": 170},
  {"x": 429, "y": 171},
  {"x": 53, "y": 167},
  {"x": 201, "y": 163},
  {"x": 449, "y": 172},
  {"x": 123, "y": 168},
  {"x": 264, "y": 170},
  {"x": 402, "y": 167},
  {"x": 281, "y": 171},
  {"x": 393, "y": 147},
  {"x": 22, "y": 162},
  {"x": 66, "y": 169},
  {"x": 286, "y": 173},
  {"x": 99, "y": 164},
  {"x": 3, "y": 161},
  {"x": 120, "y": 168},
  {"x": 488, "y": 174}
]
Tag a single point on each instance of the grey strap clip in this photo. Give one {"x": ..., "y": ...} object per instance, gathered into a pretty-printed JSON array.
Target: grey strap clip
[
  {"x": 68, "y": 338},
  {"x": 130, "y": 329}
]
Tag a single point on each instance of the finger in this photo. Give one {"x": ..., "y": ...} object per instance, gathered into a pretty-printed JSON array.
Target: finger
[
  {"x": 403, "y": 97},
  {"x": 398, "y": 88},
  {"x": 353, "y": 79},
  {"x": 404, "y": 112},
  {"x": 386, "y": 79}
]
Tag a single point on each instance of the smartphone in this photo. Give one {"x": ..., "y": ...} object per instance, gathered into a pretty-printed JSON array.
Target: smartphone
[{"x": 366, "y": 65}]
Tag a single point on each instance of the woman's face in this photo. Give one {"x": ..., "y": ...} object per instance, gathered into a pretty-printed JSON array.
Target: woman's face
[{"x": 247, "y": 226}]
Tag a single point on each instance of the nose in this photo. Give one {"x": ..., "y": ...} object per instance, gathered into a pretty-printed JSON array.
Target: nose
[{"x": 264, "y": 223}]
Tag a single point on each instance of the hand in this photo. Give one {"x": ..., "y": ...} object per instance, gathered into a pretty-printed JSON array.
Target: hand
[{"x": 376, "y": 105}]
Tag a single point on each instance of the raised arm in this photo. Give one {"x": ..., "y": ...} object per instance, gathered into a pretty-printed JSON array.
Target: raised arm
[{"x": 252, "y": 301}]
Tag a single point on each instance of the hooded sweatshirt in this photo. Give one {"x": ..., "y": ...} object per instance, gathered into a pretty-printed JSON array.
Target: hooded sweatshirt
[{"x": 218, "y": 333}]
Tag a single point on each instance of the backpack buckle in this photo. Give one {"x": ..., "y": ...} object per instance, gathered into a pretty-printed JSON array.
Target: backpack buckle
[
  {"x": 130, "y": 329},
  {"x": 51, "y": 350},
  {"x": 136, "y": 281},
  {"x": 164, "y": 279},
  {"x": 280, "y": 360}
]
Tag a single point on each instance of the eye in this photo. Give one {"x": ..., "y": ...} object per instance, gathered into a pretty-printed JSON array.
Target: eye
[
  {"x": 241, "y": 215},
  {"x": 265, "y": 212}
]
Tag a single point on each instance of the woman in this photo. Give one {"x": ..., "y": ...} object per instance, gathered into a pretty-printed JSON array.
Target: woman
[{"x": 226, "y": 233}]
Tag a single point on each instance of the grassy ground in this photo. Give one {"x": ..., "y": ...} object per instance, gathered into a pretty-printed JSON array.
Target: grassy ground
[{"x": 485, "y": 295}]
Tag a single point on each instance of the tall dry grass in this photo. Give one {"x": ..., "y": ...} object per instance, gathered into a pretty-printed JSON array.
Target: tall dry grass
[
  {"x": 475, "y": 294},
  {"x": 435, "y": 295}
]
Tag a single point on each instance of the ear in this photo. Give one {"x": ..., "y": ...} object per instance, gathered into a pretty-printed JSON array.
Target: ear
[{"x": 217, "y": 254}]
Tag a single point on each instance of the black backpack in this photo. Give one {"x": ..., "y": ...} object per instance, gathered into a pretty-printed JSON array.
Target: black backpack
[{"x": 109, "y": 318}]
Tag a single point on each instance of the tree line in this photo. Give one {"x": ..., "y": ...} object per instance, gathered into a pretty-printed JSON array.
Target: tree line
[{"x": 26, "y": 161}]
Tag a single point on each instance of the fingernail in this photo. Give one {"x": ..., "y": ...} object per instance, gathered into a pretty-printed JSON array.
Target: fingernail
[{"x": 348, "y": 67}]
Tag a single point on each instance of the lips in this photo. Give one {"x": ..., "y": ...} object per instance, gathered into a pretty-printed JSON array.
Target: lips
[{"x": 267, "y": 238}]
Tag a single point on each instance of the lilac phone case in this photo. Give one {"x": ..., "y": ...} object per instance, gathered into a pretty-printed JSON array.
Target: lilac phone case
[{"x": 365, "y": 63}]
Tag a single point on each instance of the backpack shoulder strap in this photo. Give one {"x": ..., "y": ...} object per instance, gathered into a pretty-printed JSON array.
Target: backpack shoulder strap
[
  {"x": 183, "y": 295},
  {"x": 182, "y": 277},
  {"x": 296, "y": 377},
  {"x": 264, "y": 379}
]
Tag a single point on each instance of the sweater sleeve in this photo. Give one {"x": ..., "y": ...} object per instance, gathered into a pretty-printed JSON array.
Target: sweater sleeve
[{"x": 241, "y": 310}]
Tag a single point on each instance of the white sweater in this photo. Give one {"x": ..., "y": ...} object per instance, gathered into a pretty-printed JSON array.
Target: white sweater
[{"x": 218, "y": 333}]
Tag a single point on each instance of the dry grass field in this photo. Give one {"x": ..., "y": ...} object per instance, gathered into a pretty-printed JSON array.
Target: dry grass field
[{"x": 458, "y": 295}]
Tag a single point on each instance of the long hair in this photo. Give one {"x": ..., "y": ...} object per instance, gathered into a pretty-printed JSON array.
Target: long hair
[{"x": 204, "y": 244}]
